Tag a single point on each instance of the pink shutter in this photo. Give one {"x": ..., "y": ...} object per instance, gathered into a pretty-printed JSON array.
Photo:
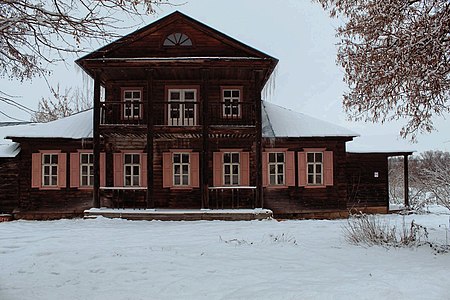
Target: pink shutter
[
  {"x": 290, "y": 168},
  {"x": 217, "y": 167},
  {"x": 195, "y": 170},
  {"x": 328, "y": 168},
  {"x": 36, "y": 170},
  {"x": 102, "y": 169},
  {"x": 167, "y": 170},
  {"x": 74, "y": 170},
  {"x": 265, "y": 169},
  {"x": 245, "y": 168},
  {"x": 144, "y": 170},
  {"x": 118, "y": 170},
  {"x": 302, "y": 169},
  {"x": 62, "y": 163}
]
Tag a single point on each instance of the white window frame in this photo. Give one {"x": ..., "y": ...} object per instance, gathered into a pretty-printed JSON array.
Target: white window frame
[
  {"x": 182, "y": 120},
  {"x": 231, "y": 174},
  {"x": 314, "y": 164},
  {"x": 90, "y": 170},
  {"x": 131, "y": 166},
  {"x": 273, "y": 165},
  {"x": 50, "y": 167},
  {"x": 130, "y": 104},
  {"x": 232, "y": 100},
  {"x": 182, "y": 174}
]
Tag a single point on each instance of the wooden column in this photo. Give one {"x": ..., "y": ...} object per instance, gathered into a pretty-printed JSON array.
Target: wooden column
[
  {"x": 406, "y": 179},
  {"x": 204, "y": 164},
  {"x": 96, "y": 146},
  {"x": 150, "y": 135},
  {"x": 259, "y": 201}
]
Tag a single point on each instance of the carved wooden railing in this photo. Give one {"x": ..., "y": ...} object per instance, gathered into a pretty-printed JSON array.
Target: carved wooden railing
[{"x": 232, "y": 197}]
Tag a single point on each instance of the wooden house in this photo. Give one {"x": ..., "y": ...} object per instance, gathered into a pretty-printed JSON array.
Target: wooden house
[{"x": 182, "y": 125}]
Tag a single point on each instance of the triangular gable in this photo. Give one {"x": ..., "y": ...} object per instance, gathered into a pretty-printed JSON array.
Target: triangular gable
[{"x": 148, "y": 42}]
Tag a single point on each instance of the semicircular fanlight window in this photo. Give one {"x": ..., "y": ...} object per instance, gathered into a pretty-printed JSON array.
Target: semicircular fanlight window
[{"x": 177, "y": 39}]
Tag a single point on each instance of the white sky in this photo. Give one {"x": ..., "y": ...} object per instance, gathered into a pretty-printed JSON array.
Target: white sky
[{"x": 297, "y": 32}]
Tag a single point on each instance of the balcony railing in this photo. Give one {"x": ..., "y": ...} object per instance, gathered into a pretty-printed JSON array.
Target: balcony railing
[
  {"x": 124, "y": 197},
  {"x": 177, "y": 113},
  {"x": 232, "y": 197}
]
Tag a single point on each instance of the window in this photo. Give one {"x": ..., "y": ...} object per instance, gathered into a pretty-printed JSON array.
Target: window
[
  {"x": 182, "y": 107},
  {"x": 86, "y": 169},
  {"x": 231, "y": 168},
  {"x": 50, "y": 170},
  {"x": 177, "y": 39},
  {"x": 276, "y": 168},
  {"x": 181, "y": 169},
  {"x": 132, "y": 104},
  {"x": 231, "y": 103},
  {"x": 132, "y": 169},
  {"x": 314, "y": 162}
]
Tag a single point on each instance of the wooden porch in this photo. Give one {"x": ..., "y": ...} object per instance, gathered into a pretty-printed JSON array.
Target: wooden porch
[{"x": 181, "y": 215}]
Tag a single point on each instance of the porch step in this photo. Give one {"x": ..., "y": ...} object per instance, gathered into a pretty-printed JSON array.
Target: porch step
[{"x": 180, "y": 215}]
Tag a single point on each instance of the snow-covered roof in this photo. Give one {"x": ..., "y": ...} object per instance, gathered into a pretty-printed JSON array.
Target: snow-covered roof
[
  {"x": 76, "y": 126},
  {"x": 379, "y": 144},
  {"x": 279, "y": 121}
]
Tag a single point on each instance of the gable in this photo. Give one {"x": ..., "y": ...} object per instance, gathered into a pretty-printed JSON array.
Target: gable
[{"x": 149, "y": 42}]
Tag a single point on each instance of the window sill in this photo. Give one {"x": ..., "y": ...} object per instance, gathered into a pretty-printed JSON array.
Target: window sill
[
  {"x": 50, "y": 188},
  {"x": 181, "y": 188},
  {"x": 276, "y": 187},
  {"x": 315, "y": 186}
]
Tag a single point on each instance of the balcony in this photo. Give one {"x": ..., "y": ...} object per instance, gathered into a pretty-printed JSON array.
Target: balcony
[{"x": 177, "y": 113}]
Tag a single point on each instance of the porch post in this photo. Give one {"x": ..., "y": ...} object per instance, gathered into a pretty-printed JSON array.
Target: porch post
[
  {"x": 96, "y": 146},
  {"x": 406, "y": 179},
  {"x": 205, "y": 146},
  {"x": 259, "y": 201},
  {"x": 150, "y": 156}
]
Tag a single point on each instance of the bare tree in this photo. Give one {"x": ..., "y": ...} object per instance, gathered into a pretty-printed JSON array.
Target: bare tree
[
  {"x": 63, "y": 104},
  {"x": 36, "y": 33},
  {"x": 396, "y": 57}
]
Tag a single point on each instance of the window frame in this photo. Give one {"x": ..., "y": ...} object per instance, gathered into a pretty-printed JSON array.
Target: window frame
[
  {"x": 174, "y": 41},
  {"x": 224, "y": 89},
  {"x": 50, "y": 165},
  {"x": 276, "y": 163},
  {"x": 182, "y": 102},
  {"x": 182, "y": 174},
  {"x": 132, "y": 103},
  {"x": 314, "y": 165},
  {"x": 90, "y": 167},
  {"x": 231, "y": 164},
  {"x": 132, "y": 165}
]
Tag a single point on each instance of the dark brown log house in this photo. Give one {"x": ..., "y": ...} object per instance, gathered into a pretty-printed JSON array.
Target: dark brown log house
[{"x": 182, "y": 126}]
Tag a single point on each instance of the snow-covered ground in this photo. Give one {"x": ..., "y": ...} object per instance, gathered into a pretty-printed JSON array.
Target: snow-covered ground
[{"x": 119, "y": 259}]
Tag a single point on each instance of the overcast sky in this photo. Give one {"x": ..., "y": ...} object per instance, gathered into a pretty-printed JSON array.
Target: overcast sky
[{"x": 297, "y": 32}]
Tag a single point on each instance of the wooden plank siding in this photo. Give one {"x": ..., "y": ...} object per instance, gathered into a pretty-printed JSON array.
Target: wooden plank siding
[
  {"x": 365, "y": 191},
  {"x": 50, "y": 203},
  {"x": 300, "y": 201},
  {"x": 9, "y": 184}
]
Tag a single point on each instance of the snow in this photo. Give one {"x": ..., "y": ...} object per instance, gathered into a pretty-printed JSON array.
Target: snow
[
  {"x": 379, "y": 144},
  {"x": 119, "y": 259},
  {"x": 282, "y": 122}
]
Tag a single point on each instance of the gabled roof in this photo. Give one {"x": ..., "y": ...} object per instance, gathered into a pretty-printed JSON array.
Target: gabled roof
[
  {"x": 282, "y": 122},
  {"x": 109, "y": 50}
]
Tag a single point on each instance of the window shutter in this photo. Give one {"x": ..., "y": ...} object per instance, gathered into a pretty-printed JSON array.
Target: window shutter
[
  {"x": 290, "y": 169},
  {"x": 328, "y": 168},
  {"x": 62, "y": 163},
  {"x": 167, "y": 170},
  {"x": 74, "y": 170},
  {"x": 217, "y": 167},
  {"x": 302, "y": 169},
  {"x": 195, "y": 165},
  {"x": 265, "y": 170},
  {"x": 245, "y": 169},
  {"x": 36, "y": 170},
  {"x": 144, "y": 170},
  {"x": 118, "y": 170},
  {"x": 102, "y": 169}
]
